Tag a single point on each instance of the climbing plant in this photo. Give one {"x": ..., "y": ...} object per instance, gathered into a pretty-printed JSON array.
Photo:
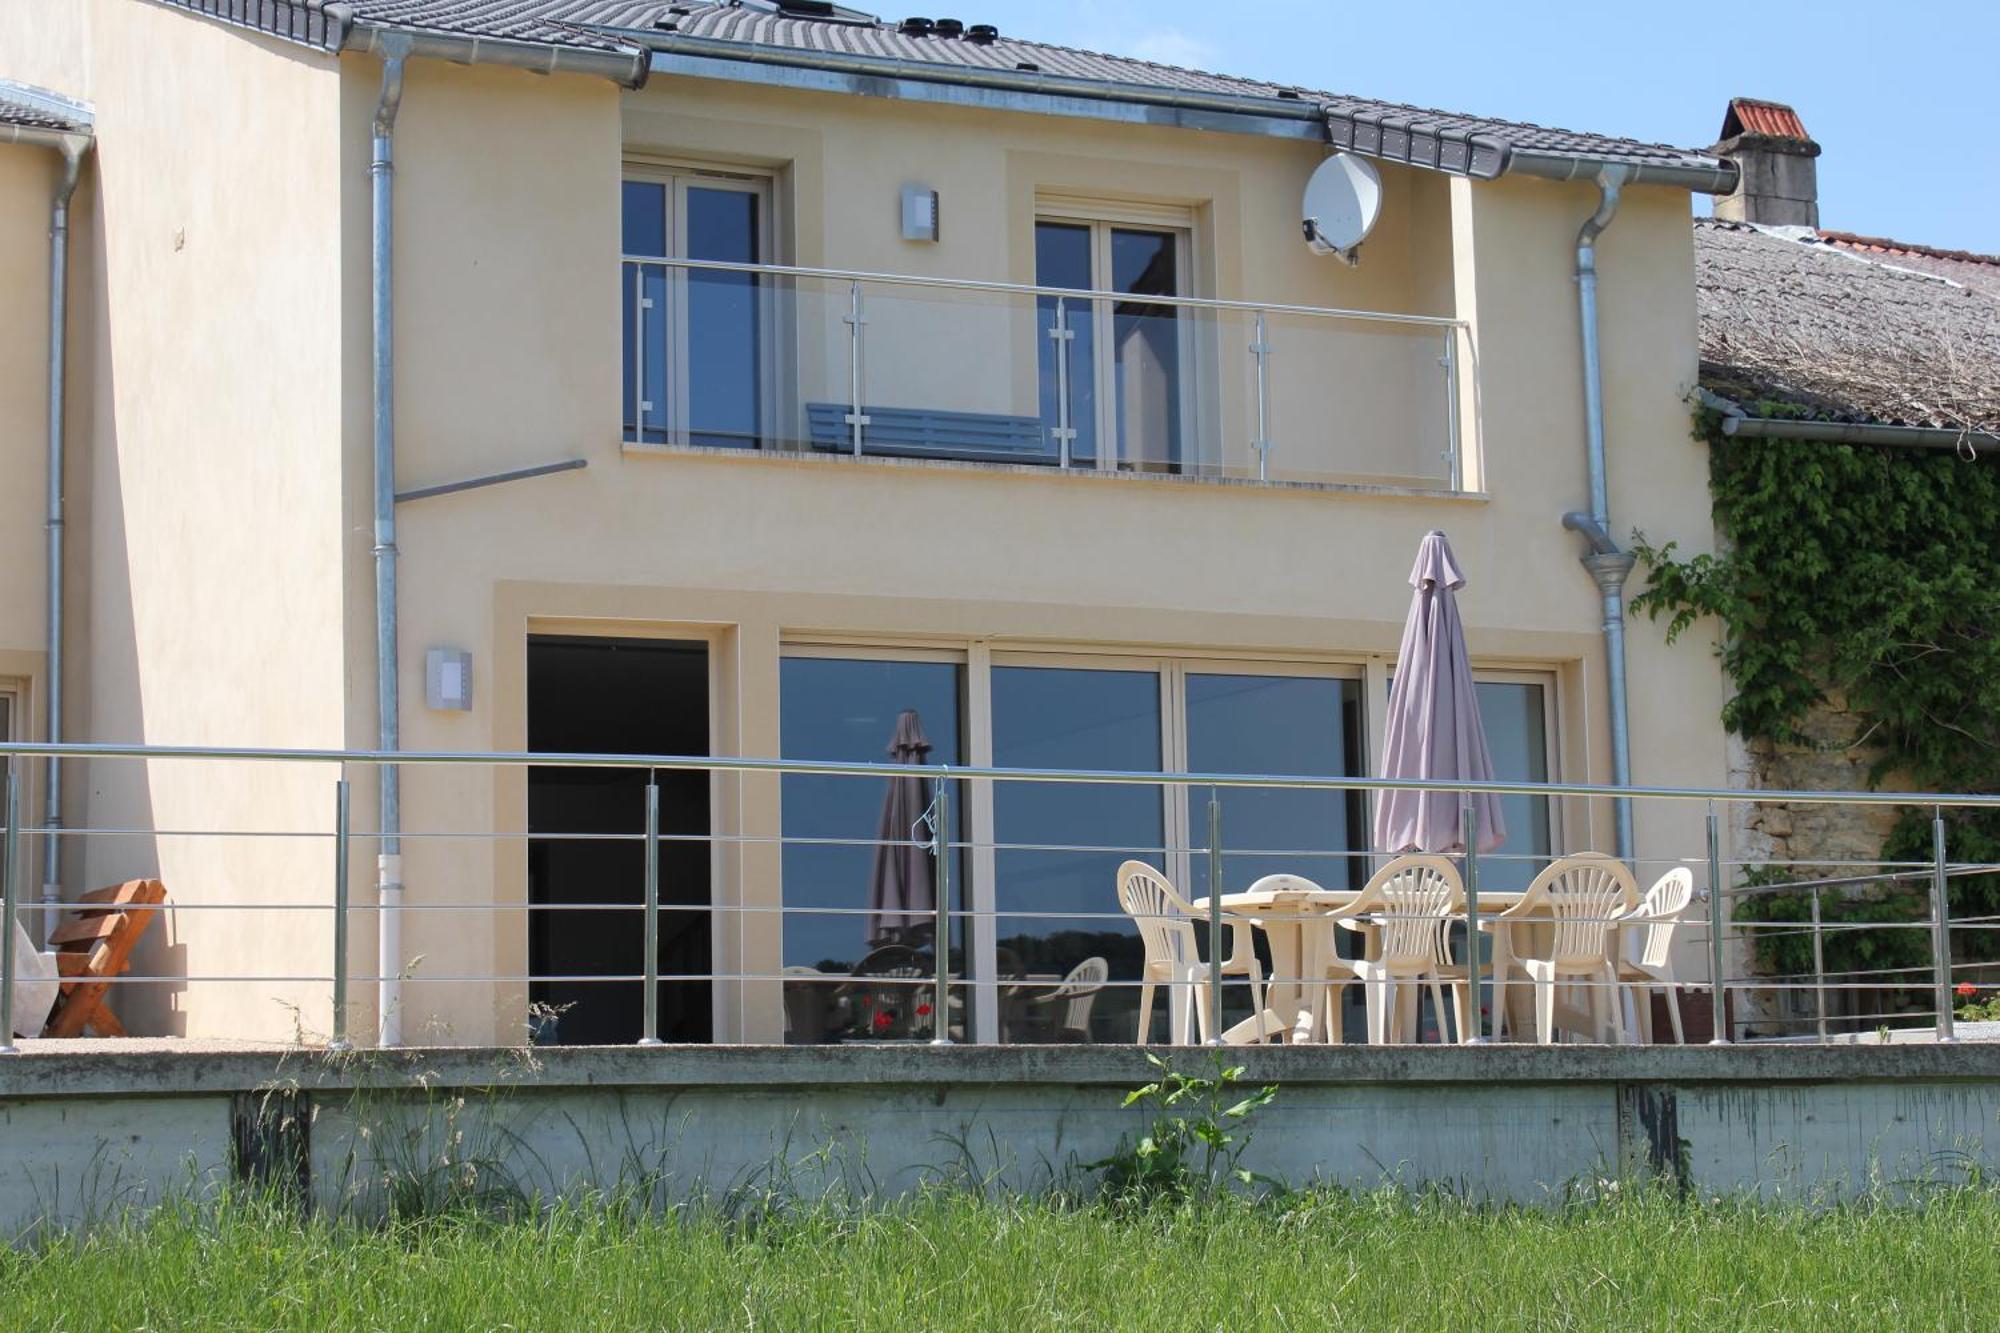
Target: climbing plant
[{"x": 1874, "y": 575}]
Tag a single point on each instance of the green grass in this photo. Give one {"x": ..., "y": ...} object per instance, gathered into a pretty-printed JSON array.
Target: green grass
[{"x": 1314, "y": 1261}]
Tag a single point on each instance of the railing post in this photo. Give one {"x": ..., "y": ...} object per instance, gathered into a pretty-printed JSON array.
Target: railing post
[
  {"x": 941, "y": 932},
  {"x": 640, "y": 305},
  {"x": 1454, "y": 464},
  {"x": 856, "y": 418},
  {"x": 1062, "y": 336},
  {"x": 1819, "y": 967},
  {"x": 1261, "y": 350},
  {"x": 1215, "y": 947},
  {"x": 1941, "y": 929},
  {"x": 9, "y": 890},
  {"x": 649, "y": 1031},
  {"x": 1717, "y": 914},
  {"x": 1475, "y": 1033},
  {"x": 340, "y": 923}
]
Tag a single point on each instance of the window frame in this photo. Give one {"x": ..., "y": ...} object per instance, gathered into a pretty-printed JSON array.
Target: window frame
[
  {"x": 677, "y": 176},
  {"x": 1102, "y": 218}
]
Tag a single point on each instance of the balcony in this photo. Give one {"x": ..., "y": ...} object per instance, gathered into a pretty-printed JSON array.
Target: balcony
[{"x": 880, "y": 366}]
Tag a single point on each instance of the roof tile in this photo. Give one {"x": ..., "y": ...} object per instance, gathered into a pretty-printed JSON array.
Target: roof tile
[{"x": 1449, "y": 141}]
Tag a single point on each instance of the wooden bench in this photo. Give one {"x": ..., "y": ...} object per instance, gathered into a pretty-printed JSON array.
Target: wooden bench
[
  {"x": 93, "y": 944},
  {"x": 921, "y": 432}
]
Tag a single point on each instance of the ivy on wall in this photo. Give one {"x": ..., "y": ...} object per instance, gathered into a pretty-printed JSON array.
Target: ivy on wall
[{"x": 1874, "y": 575}]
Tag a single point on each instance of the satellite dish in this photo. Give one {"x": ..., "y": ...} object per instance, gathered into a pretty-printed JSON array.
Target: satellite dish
[{"x": 1343, "y": 199}]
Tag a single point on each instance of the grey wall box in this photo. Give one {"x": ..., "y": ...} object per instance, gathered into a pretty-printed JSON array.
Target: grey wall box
[
  {"x": 448, "y": 679},
  {"x": 920, "y": 213}
]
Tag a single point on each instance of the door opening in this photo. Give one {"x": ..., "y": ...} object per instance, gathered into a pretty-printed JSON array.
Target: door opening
[{"x": 616, "y": 696}]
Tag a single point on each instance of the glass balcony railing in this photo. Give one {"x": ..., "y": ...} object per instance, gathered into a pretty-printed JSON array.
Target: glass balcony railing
[{"x": 821, "y": 361}]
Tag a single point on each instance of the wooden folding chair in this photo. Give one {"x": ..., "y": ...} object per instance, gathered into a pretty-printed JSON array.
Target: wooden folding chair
[{"x": 93, "y": 944}]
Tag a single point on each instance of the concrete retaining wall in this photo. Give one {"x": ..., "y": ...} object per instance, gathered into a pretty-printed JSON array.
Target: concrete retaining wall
[{"x": 90, "y": 1133}]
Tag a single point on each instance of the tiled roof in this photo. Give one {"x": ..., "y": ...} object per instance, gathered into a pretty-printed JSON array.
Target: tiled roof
[
  {"x": 1788, "y": 315},
  {"x": 34, "y": 118},
  {"x": 1961, "y": 266},
  {"x": 1476, "y": 145},
  {"x": 1750, "y": 115}
]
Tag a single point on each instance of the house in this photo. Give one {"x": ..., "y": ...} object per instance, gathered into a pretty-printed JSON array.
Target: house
[
  {"x": 1825, "y": 337},
  {"x": 751, "y": 373}
]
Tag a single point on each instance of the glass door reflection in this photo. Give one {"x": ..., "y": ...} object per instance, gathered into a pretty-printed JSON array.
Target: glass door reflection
[{"x": 1056, "y": 896}]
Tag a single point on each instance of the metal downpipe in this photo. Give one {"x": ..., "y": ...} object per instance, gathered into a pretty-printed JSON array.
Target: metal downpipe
[
  {"x": 1608, "y": 566},
  {"x": 72, "y": 150},
  {"x": 389, "y": 859}
]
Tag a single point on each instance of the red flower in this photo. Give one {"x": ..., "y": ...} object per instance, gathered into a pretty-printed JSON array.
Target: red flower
[
  {"x": 1966, "y": 988},
  {"x": 923, "y": 1011}
]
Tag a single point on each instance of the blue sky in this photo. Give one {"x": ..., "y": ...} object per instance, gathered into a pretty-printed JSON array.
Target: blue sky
[{"x": 1901, "y": 97}]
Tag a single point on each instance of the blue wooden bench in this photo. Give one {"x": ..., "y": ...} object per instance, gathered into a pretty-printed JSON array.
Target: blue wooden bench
[{"x": 921, "y": 432}]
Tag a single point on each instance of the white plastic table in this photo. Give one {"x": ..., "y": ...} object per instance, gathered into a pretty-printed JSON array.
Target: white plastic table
[{"x": 1298, "y": 925}]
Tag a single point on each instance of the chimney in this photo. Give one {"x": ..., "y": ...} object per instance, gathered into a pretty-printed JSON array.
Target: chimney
[{"x": 1779, "y": 183}]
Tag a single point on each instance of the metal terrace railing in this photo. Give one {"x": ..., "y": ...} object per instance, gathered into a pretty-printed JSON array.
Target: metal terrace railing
[
  {"x": 634, "y": 919},
  {"x": 874, "y": 365}
]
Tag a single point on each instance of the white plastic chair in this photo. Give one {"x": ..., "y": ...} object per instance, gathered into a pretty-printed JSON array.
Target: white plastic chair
[
  {"x": 1077, "y": 994},
  {"x": 1408, "y": 907},
  {"x": 1582, "y": 898},
  {"x": 1166, "y": 928},
  {"x": 1648, "y": 962}
]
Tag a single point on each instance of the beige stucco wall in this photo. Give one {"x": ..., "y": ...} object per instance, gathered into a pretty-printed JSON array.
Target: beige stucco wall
[
  {"x": 205, "y": 492},
  {"x": 28, "y": 178}
]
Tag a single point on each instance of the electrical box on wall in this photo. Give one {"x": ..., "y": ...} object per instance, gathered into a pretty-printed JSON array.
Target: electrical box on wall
[
  {"x": 920, "y": 213},
  {"x": 448, "y": 680}
]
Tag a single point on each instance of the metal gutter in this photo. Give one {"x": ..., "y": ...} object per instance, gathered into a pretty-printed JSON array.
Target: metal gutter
[
  {"x": 492, "y": 479},
  {"x": 1482, "y": 156},
  {"x": 73, "y": 147},
  {"x": 1021, "y": 81},
  {"x": 627, "y": 67},
  {"x": 1718, "y": 179},
  {"x": 1608, "y": 566},
  {"x": 381, "y": 284},
  {"x": 1973, "y": 444}
]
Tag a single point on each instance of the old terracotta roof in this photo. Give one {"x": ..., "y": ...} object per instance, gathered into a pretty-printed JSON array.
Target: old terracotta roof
[{"x": 1793, "y": 316}]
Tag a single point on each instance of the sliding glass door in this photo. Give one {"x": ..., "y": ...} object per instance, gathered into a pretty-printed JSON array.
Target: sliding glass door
[{"x": 1060, "y": 843}]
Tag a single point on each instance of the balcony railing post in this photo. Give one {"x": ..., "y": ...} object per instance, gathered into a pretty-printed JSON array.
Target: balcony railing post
[
  {"x": 1261, "y": 351},
  {"x": 639, "y": 307},
  {"x": 339, "y": 1041},
  {"x": 1941, "y": 929},
  {"x": 1454, "y": 463},
  {"x": 857, "y": 420},
  {"x": 10, "y": 845},
  {"x": 1717, "y": 914},
  {"x": 1819, "y": 967},
  {"x": 1215, "y": 946},
  {"x": 941, "y": 932},
  {"x": 1475, "y": 1033},
  {"x": 649, "y": 1030},
  {"x": 1062, "y": 336}
]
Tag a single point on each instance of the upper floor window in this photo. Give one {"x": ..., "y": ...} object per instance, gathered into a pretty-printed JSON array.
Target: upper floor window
[
  {"x": 1113, "y": 371},
  {"x": 697, "y": 340}
]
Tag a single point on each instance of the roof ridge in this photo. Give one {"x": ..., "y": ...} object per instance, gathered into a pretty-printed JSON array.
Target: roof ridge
[{"x": 1845, "y": 239}]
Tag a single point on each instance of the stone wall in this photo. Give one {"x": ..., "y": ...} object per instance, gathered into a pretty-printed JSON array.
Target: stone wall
[{"x": 1808, "y": 840}]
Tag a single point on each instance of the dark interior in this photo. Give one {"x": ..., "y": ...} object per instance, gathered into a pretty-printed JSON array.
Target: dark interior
[{"x": 616, "y": 696}]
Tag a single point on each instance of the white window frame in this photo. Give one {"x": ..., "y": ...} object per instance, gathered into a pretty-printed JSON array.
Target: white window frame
[
  {"x": 678, "y": 176},
  {"x": 1102, "y": 218}
]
